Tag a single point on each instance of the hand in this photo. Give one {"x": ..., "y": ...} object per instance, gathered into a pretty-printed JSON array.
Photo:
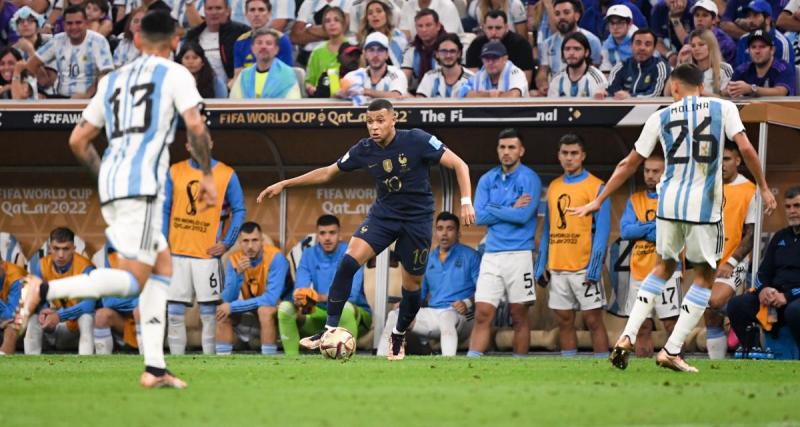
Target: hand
[
  {"x": 242, "y": 264},
  {"x": 20, "y": 66},
  {"x": 493, "y": 93},
  {"x": 305, "y": 299},
  {"x": 217, "y": 250},
  {"x": 208, "y": 192},
  {"x": 724, "y": 271},
  {"x": 601, "y": 94},
  {"x": 767, "y": 295},
  {"x": 622, "y": 94},
  {"x": 779, "y": 300},
  {"x": 585, "y": 210},
  {"x": 738, "y": 89},
  {"x": 522, "y": 201},
  {"x": 685, "y": 54},
  {"x": 544, "y": 280},
  {"x": 24, "y": 45},
  {"x": 535, "y": 93},
  {"x": 769, "y": 201},
  {"x": 796, "y": 14},
  {"x": 271, "y": 191},
  {"x": 310, "y": 89},
  {"x": 467, "y": 214},
  {"x": 51, "y": 320},
  {"x": 223, "y": 311},
  {"x": 460, "y": 307}
]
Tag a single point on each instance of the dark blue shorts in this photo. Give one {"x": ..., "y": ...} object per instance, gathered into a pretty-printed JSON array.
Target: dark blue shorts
[{"x": 413, "y": 239}]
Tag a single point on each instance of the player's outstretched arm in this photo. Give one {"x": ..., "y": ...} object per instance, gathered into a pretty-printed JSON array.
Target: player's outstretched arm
[
  {"x": 315, "y": 177},
  {"x": 624, "y": 170},
  {"x": 750, "y": 158},
  {"x": 452, "y": 161},
  {"x": 80, "y": 142},
  {"x": 200, "y": 146}
]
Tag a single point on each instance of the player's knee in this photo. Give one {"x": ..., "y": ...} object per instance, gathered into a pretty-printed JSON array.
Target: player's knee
[
  {"x": 208, "y": 309},
  {"x": 349, "y": 309},
  {"x": 484, "y": 314},
  {"x": 287, "y": 310},
  {"x": 519, "y": 314},
  {"x": 102, "y": 318},
  {"x": 266, "y": 314},
  {"x": 717, "y": 301},
  {"x": 594, "y": 321},
  {"x": 86, "y": 323}
]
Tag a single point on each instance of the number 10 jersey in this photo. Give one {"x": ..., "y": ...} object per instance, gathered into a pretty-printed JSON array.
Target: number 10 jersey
[
  {"x": 139, "y": 105},
  {"x": 692, "y": 132}
]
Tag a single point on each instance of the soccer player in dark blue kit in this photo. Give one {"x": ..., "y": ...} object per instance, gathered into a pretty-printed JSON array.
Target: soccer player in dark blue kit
[{"x": 399, "y": 161}]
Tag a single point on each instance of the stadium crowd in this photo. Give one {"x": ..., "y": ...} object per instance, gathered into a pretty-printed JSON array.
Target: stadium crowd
[
  {"x": 248, "y": 291},
  {"x": 358, "y": 50}
]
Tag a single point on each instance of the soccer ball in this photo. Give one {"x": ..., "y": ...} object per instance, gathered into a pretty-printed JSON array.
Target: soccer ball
[{"x": 338, "y": 344}]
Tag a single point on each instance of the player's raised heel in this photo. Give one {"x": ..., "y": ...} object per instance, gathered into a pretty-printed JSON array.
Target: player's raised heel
[
  {"x": 313, "y": 342},
  {"x": 167, "y": 380},
  {"x": 397, "y": 347},
  {"x": 621, "y": 353},
  {"x": 29, "y": 300},
  {"x": 676, "y": 363}
]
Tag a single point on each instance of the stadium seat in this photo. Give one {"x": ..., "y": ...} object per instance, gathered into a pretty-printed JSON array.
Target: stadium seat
[{"x": 300, "y": 74}]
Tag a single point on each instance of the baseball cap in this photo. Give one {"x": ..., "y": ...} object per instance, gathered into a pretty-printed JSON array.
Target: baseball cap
[
  {"x": 378, "y": 38},
  {"x": 708, "y": 5},
  {"x": 760, "y": 6},
  {"x": 620, "y": 10},
  {"x": 349, "y": 49},
  {"x": 760, "y": 35},
  {"x": 493, "y": 48},
  {"x": 24, "y": 13}
]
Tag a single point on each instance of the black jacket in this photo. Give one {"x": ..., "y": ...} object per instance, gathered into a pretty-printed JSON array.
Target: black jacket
[{"x": 228, "y": 33}]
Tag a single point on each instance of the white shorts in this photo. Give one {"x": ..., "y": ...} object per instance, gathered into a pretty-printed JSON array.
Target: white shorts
[
  {"x": 198, "y": 277},
  {"x": 506, "y": 275},
  {"x": 569, "y": 291},
  {"x": 427, "y": 322},
  {"x": 703, "y": 242},
  {"x": 738, "y": 277},
  {"x": 134, "y": 227},
  {"x": 667, "y": 305}
]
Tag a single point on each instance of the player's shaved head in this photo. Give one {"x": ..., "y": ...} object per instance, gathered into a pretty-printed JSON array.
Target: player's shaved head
[
  {"x": 380, "y": 104},
  {"x": 157, "y": 27},
  {"x": 689, "y": 74}
]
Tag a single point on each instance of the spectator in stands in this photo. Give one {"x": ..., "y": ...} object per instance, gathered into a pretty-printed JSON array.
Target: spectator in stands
[
  {"x": 97, "y": 13},
  {"x": 419, "y": 57},
  {"x": 778, "y": 280},
  {"x": 125, "y": 7},
  {"x": 307, "y": 30},
  {"x": 120, "y": 315},
  {"x": 447, "y": 80},
  {"x": 567, "y": 13},
  {"x": 595, "y": 14},
  {"x": 326, "y": 55},
  {"x": 703, "y": 51},
  {"x": 63, "y": 320},
  {"x": 638, "y": 225},
  {"x": 282, "y": 14},
  {"x": 617, "y": 47},
  {"x": 498, "y": 77},
  {"x": 789, "y": 20},
  {"x": 7, "y": 34},
  {"x": 580, "y": 79},
  {"x": 27, "y": 23},
  {"x": 447, "y": 13},
  {"x": 706, "y": 16},
  {"x": 495, "y": 28},
  {"x": 258, "y": 15},
  {"x": 217, "y": 36},
  {"x": 735, "y": 21},
  {"x": 671, "y": 23},
  {"x": 572, "y": 249},
  {"x": 11, "y": 277},
  {"x": 641, "y": 75},
  {"x": 256, "y": 271},
  {"x": 307, "y": 313},
  {"x": 513, "y": 10},
  {"x": 126, "y": 50},
  {"x": 330, "y": 81},
  {"x": 540, "y": 22},
  {"x": 15, "y": 81},
  {"x": 194, "y": 59},
  {"x": 79, "y": 72},
  {"x": 765, "y": 75},
  {"x": 269, "y": 77},
  {"x": 377, "y": 79},
  {"x": 379, "y": 17},
  {"x": 758, "y": 18},
  {"x": 448, "y": 291},
  {"x": 507, "y": 202}
]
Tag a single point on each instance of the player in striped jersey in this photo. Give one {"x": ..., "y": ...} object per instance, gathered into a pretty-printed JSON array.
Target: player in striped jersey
[
  {"x": 138, "y": 105},
  {"x": 580, "y": 78},
  {"x": 689, "y": 213}
]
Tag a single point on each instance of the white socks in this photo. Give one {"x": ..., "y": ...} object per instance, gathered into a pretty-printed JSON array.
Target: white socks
[
  {"x": 717, "y": 347},
  {"x": 153, "y": 308},
  {"x": 208, "y": 319},
  {"x": 176, "y": 330},
  {"x": 651, "y": 288},
  {"x": 103, "y": 282},
  {"x": 86, "y": 338},
  {"x": 692, "y": 309},
  {"x": 103, "y": 341}
]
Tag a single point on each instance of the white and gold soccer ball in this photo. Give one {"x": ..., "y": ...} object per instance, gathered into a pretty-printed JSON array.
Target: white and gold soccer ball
[{"x": 338, "y": 344}]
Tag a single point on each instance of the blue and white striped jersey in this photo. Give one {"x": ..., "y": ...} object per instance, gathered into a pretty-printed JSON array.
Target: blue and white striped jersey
[
  {"x": 434, "y": 84},
  {"x": 139, "y": 105},
  {"x": 590, "y": 83},
  {"x": 78, "y": 66},
  {"x": 692, "y": 132}
]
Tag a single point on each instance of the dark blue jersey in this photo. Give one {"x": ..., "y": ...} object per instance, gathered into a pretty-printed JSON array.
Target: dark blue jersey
[{"x": 401, "y": 171}]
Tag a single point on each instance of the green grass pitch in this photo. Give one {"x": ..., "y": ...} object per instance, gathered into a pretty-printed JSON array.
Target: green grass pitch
[{"x": 56, "y": 390}]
